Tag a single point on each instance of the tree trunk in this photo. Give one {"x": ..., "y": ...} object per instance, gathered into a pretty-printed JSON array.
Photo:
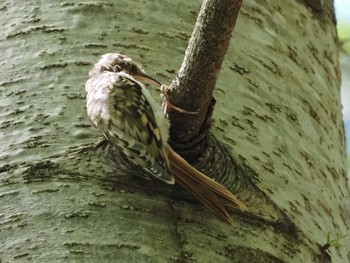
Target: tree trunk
[{"x": 278, "y": 117}]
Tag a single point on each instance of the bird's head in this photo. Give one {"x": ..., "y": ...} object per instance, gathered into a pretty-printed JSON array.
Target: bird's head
[{"x": 116, "y": 62}]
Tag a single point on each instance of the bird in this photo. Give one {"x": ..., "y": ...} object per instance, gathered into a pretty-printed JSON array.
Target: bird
[{"x": 124, "y": 111}]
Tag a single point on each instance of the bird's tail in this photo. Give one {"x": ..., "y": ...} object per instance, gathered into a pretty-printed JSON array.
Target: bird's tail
[{"x": 210, "y": 193}]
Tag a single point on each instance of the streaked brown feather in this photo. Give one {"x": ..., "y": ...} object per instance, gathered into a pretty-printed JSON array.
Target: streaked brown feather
[
  {"x": 210, "y": 193},
  {"x": 118, "y": 107},
  {"x": 123, "y": 110}
]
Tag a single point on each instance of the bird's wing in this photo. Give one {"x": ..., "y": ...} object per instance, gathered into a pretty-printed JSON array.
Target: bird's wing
[{"x": 129, "y": 123}]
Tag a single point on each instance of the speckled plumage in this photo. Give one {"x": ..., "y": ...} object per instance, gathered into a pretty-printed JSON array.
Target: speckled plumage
[
  {"x": 120, "y": 107},
  {"x": 127, "y": 116}
]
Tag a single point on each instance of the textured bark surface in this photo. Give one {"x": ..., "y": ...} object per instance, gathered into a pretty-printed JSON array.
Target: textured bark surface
[
  {"x": 194, "y": 83},
  {"x": 278, "y": 112}
]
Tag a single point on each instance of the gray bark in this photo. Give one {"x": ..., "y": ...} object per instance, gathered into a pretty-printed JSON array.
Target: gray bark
[
  {"x": 278, "y": 113},
  {"x": 194, "y": 83}
]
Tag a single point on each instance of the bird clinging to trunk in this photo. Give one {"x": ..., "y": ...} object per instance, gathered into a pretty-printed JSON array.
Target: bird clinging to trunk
[{"x": 124, "y": 111}]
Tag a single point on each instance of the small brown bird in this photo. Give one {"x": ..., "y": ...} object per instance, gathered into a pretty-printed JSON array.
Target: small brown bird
[{"x": 127, "y": 116}]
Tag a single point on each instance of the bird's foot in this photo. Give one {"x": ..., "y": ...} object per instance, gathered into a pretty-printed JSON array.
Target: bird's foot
[{"x": 102, "y": 143}]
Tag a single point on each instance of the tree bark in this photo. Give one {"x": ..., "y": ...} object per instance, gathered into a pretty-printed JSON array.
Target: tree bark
[
  {"x": 278, "y": 119},
  {"x": 194, "y": 83}
]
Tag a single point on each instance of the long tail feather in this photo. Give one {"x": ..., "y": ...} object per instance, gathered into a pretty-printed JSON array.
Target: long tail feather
[{"x": 210, "y": 193}]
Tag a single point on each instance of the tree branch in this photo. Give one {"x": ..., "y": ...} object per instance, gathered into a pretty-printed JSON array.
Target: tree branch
[{"x": 192, "y": 88}]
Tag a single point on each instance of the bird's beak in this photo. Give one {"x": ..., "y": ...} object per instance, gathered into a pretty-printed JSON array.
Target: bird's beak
[{"x": 145, "y": 78}]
